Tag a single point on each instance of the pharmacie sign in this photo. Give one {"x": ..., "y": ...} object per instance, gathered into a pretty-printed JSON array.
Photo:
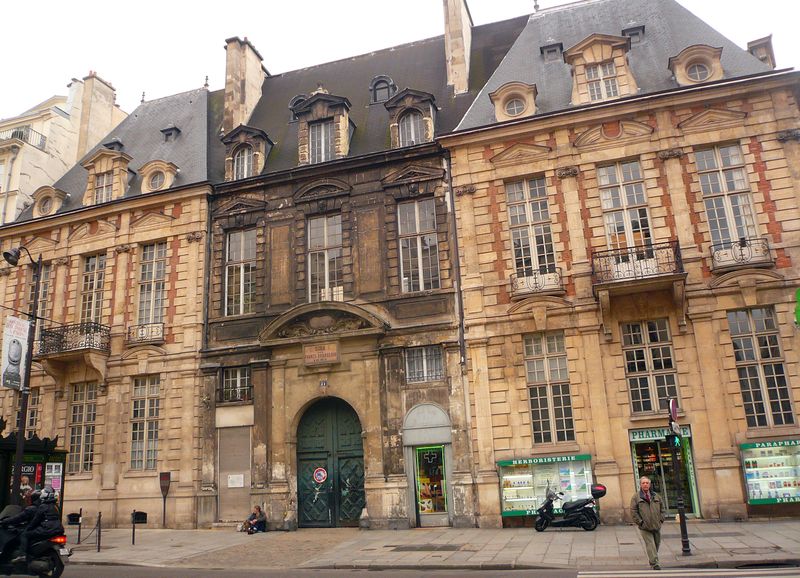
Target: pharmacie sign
[
  {"x": 545, "y": 460},
  {"x": 656, "y": 433},
  {"x": 777, "y": 444}
]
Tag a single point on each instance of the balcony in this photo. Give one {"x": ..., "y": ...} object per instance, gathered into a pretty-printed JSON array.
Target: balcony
[
  {"x": 145, "y": 333},
  {"x": 83, "y": 345},
  {"x": 746, "y": 252},
  {"x": 544, "y": 281},
  {"x": 25, "y": 134}
]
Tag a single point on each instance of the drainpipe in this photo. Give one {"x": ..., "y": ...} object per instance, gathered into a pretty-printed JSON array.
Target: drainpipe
[
  {"x": 209, "y": 267},
  {"x": 456, "y": 262},
  {"x": 15, "y": 152}
]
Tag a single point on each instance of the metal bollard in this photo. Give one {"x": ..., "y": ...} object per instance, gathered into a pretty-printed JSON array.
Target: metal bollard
[
  {"x": 99, "y": 528},
  {"x": 133, "y": 528},
  {"x": 80, "y": 521}
]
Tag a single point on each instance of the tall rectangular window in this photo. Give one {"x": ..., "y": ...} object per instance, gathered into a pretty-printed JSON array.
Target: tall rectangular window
[
  {"x": 548, "y": 387},
  {"x": 240, "y": 272},
  {"x": 726, "y": 194},
  {"x": 325, "y": 259},
  {"x": 759, "y": 365},
  {"x": 102, "y": 187},
  {"x": 419, "y": 246},
  {"x": 83, "y": 414},
  {"x": 424, "y": 364},
  {"x": 529, "y": 219},
  {"x": 152, "y": 275},
  {"x": 649, "y": 365},
  {"x": 34, "y": 405},
  {"x": 624, "y": 203},
  {"x": 92, "y": 280},
  {"x": 236, "y": 385},
  {"x": 602, "y": 81},
  {"x": 145, "y": 402},
  {"x": 45, "y": 306},
  {"x": 320, "y": 141}
]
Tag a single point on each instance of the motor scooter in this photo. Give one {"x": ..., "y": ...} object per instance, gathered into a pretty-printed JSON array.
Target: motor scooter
[
  {"x": 48, "y": 555},
  {"x": 578, "y": 513}
]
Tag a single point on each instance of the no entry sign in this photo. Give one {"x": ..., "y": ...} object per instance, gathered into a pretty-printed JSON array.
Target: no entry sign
[{"x": 320, "y": 475}]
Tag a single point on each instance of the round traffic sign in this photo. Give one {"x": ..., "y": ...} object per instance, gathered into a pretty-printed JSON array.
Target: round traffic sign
[
  {"x": 320, "y": 475},
  {"x": 673, "y": 409}
]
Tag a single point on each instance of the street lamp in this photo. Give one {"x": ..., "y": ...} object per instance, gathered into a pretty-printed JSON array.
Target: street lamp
[{"x": 12, "y": 258}]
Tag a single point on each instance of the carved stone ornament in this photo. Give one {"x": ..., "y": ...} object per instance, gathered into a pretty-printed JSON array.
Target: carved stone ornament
[
  {"x": 787, "y": 135},
  {"x": 465, "y": 190},
  {"x": 670, "y": 154},
  {"x": 122, "y": 249},
  {"x": 566, "y": 172},
  {"x": 61, "y": 261},
  {"x": 322, "y": 324},
  {"x": 194, "y": 236}
]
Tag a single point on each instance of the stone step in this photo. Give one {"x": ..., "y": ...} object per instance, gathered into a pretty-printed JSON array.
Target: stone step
[{"x": 224, "y": 525}]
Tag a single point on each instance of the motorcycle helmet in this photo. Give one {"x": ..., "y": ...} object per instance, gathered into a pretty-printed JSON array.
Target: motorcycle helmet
[{"x": 48, "y": 495}]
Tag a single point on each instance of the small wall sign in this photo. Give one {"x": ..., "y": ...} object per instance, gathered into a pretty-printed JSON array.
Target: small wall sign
[
  {"x": 321, "y": 353},
  {"x": 320, "y": 475}
]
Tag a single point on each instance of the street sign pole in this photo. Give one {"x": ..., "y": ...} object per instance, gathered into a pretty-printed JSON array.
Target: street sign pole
[{"x": 677, "y": 465}]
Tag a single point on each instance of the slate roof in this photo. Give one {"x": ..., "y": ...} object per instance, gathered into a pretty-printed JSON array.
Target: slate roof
[
  {"x": 418, "y": 65},
  {"x": 142, "y": 139},
  {"x": 669, "y": 28}
]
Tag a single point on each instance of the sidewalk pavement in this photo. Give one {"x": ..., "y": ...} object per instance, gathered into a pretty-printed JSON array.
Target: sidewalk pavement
[{"x": 724, "y": 545}]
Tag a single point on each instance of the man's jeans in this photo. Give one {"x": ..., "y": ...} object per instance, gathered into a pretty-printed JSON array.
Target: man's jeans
[{"x": 652, "y": 540}]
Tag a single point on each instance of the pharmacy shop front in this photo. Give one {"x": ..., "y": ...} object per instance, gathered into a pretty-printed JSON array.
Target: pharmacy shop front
[{"x": 652, "y": 457}]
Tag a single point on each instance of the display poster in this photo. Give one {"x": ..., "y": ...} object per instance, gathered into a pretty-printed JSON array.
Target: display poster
[
  {"x": 15, "y": 351},
  {"x": 772, "y": 472}
]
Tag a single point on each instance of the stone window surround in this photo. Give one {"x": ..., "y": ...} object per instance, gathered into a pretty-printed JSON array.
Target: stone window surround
[
  {"x": 47, "y": 192},
  {"x": 241, "y": 136},
  {"x": 381, "y": 79},
  {"x": 150, "y": 168},
  {"x": 598, "y": 49},
  {"x": 105, "y": 161},
  {"x": 508, "y": 92},
  {"x": 696, "y": 54},
  {"x": 404, "y": 101},
  {"x": 322, "y": 106}
]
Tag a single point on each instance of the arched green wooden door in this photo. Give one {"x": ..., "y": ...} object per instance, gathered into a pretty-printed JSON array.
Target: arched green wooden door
[{"x": 329, "y": 437}]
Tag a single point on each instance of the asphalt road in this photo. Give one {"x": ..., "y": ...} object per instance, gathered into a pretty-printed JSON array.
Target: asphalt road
[{"x": 85, "y": 571}]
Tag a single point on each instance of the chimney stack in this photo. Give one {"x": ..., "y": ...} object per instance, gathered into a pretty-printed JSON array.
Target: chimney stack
[
  {"x": 762, "y": 49},
  {"x": 457, "y": 43},
  {"x": 244, "y": 76}
]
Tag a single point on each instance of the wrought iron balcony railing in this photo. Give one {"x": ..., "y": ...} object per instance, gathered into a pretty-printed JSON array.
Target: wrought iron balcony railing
[
  {"x": 233, "y": 394},
  {"x": 634, "y": 263},
  {"x": 745, "y": 251},
  {"x": 66, "y": 338},
  {"x": 25, "y": 134},
  {"x": 145, "y": 333},
  {"x": 541, "y": 280}
]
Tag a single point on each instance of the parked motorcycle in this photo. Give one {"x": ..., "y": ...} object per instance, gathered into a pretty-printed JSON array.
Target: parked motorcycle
[
  {"x": 48, "y": 555},
  {"x": 578, "y": 513}
]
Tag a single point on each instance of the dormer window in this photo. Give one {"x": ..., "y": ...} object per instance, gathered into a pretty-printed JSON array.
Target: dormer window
[
  {"x": 157, "y": 175},
  {"x": 320, "y": 141},
  {"x": 635, "y": 33},
  {"x": 695, "y": 64},
  {"x": 295, "y": 102},
  {"x": 513, "y": 100},
  {"x": 46, "y": 206},
  {"x": 602, "y": 81},
  {"x": 552, "y": 52},
  {"x": 103, "y": 187},
  {"x": 47, "y": 200},
  {"x": 515, "y": 107},
  {"x": 697, "y": 71},
  {"x": 156, "y": 180},
  {"x": 381, "y": 89},
  {"x": 412, "y": 130},
  {"x": 243, "y": 162}
]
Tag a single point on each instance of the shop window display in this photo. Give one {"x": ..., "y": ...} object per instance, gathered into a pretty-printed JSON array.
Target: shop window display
[
  {"x": 772, "y": 471},
  {"x": 524, "y": 482}
]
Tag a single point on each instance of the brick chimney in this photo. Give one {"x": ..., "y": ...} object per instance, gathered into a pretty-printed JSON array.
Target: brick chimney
[
  {"x": 457, "y": 43},
  {"x": 244, "y": 75}
]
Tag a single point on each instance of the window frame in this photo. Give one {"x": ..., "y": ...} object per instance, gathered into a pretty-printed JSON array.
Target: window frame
[
  {"x": 44, "y": 306},
  {"x": 751, "y": 364},
  {"x": 431, "y": 364},
  {"x": 536, "y": 226},
  {"x": 411, "y": 128},
  {"x": 145, "y": 413},
  {"x": 92, "y": 293},
  {"x": 243, "y": 162},
  {"x": 235, "y": 376},
  {"x": 321, "y": 147},
  {"x": 628, "y": 189},
  {"x": 646, "y": 360},
  {"x": 541, "y": 365},
  {"x": 414, "y": 259},
  {"x": 331, "y": 251},
  {"x": 103, "y": 187},
  {"x": 242, "y": 271},
  {"x": 82, "y": 425},
  {"x": 152, "y": 283},
  {"x": 600, "y": 79}
]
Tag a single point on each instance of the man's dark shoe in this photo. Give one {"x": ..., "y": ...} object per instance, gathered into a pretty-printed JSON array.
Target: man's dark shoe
[
  {"x": 18, "y": 559},
  {"x": 656, "y": 567}
]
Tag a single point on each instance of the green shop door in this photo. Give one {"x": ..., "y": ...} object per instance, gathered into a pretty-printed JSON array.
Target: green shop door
[
  {"x": 330, "y": 466},
  {"x": 429, "y": 474}
]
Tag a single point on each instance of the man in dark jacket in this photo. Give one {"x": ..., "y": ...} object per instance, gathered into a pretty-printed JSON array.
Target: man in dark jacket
[
  {"x": 45, "y": 523},
  {"x": 647, "y": 510}
]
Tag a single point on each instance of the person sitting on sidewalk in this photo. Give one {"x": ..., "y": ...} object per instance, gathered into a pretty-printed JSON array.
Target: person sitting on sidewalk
[{"x": 255, "y": 522}]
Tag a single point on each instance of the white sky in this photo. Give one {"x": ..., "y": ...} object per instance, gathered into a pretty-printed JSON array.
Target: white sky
[{"x": 170, "y": 46}]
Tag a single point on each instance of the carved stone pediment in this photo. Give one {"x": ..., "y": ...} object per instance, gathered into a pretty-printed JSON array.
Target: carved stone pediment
[
  {"x": 321, "y": 189},
  {"x": 412, "y": 174},
  {"x": 711, "y": 117},
  {"x": 625, "y": 130},
  {"x": 520, "y": 153},
  {"x": 238, "y": 205},
  {"x": 318, "y": 320},
  {"x": 323, "y": 323}
]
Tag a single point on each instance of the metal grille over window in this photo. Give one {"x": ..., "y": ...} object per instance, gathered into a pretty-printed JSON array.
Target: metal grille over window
[
  {"x": 93, "y": 278},
  {"x": 602, "y": 81},
  {"x": 83, "y": 414},
  {"x": 760, "y": 368},
  {"x": 424, "y": 364},
  {"x": 236, "y": 385},
  {"x": 649, "y": 365},
  {"x": 103, "y": 187},
  {"x": 240, "y": 272},
  {"x": 243, "y": 162},
  {"x": 145, "y": 405},
  {"x": 325, "y": 278},
  {"x": 320, "y": 141},
  {"x": 412, "y": 129},
  {"x": 419, "y": 246},
  {"x": 548, "y": 387}
]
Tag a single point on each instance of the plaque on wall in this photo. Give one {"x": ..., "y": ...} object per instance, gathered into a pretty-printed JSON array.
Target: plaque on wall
[
  {"x": 321, "y": 353},
  {"x": 235, "y": 480}
]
